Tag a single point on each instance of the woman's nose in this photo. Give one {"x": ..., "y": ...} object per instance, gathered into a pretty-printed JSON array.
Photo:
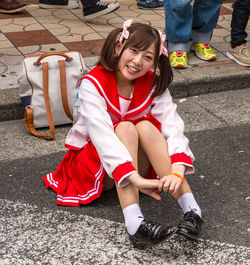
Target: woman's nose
[{"x": 137, "y": 58}]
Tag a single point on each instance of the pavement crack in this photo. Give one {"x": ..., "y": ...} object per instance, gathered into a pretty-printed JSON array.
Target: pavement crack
[{"x": 212, "y": 114}]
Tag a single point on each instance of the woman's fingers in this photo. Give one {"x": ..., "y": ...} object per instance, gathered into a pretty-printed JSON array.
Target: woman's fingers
[
  {"x": 150, "y": 184},
  {"x": 160, "y": 185},
  {"x": 166, "y": 185},
  {"x": 155, "y": 195},
  {"x": 172, "y": 186},
  {"x": 177, "y": 186},
  {"x": 169, "y": 183}
]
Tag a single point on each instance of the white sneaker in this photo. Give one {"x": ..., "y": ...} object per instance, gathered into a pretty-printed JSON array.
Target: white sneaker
[{"x": 62, "y": 4}]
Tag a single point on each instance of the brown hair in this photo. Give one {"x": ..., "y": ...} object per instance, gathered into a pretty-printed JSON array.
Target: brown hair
[{"x": 141, "y": 37}]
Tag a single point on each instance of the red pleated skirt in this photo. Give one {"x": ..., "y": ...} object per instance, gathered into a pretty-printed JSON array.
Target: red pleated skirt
[{"x": 78, "y": 178}]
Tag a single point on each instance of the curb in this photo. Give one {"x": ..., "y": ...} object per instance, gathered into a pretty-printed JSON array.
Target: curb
[{"x": 193, "y": 81}]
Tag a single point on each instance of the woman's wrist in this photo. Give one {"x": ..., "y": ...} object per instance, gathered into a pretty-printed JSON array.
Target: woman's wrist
[
  {"x": 178, "y": 169},
  {"x": 177, "y": 175},
  {"x": 133, "y": 177}
]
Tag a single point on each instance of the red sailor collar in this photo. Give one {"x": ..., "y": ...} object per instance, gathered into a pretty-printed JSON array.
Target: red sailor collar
[{"x": 105, "y": 83}]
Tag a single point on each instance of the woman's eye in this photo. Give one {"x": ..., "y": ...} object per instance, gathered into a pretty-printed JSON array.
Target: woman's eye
[
  {"x": 149, "y": 58},
  {"x": 133, "y": 50}
]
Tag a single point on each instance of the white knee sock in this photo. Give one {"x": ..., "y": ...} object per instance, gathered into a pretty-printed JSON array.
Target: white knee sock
[
  {"x": 133, "y": 217},
  {"x": 188, "y": 203}
]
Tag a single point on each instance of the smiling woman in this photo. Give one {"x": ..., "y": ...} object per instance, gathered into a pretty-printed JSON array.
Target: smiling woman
[
  {"x": 129, "y": 135},
  {"x": 133, "y": 63}
]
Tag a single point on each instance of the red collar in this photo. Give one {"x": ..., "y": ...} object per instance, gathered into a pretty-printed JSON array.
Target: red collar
[{"x": 105, "y": 83}]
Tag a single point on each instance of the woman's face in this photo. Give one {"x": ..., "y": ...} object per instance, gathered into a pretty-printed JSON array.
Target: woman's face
[{"x": 134, "y": 63}]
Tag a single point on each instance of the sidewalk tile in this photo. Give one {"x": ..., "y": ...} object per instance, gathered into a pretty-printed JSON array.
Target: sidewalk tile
[
  {"x": 225, "y": 11},
  {"x": 29, "y": 38},
  {"x": 87, "y": 49},
  {"x": 39, "y": 49},
  {"x": 4, "y": 42}
]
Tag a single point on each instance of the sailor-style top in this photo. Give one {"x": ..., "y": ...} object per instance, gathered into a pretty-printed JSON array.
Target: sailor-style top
[{"x": 100, "y": 110}]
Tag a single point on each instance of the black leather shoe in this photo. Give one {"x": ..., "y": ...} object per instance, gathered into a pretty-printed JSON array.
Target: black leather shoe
[
  {"x": 150, "y": 233},
  {"x": 190, "y": 226}
]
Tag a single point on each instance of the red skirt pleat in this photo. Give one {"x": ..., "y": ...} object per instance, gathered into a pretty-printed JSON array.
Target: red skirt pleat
[{"x": 78, "y": 178}]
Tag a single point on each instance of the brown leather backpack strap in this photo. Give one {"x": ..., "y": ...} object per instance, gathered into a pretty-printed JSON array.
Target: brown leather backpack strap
[
  {"x": 29, "y": 124},
  {"x": 28, "y": 116},
  {"x": 45, "y": 68},
  {"x": 38, "y": 62},
  {"x": 64, "y": 88}
]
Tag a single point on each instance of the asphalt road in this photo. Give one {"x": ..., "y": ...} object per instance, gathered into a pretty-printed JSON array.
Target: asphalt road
[{"x": 34, "y": 230}]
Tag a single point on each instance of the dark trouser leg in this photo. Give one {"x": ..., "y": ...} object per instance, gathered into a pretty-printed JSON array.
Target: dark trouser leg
[{"x": 241, "y": 12}]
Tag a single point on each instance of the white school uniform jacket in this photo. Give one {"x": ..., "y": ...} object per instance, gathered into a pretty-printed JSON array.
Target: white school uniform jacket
[{"x": 100, "y": 110}]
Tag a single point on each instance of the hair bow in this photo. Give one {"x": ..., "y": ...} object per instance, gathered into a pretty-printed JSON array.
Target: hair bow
[
  {"x": 125, "y": 32},
  {"x": 163, "y": 49}
]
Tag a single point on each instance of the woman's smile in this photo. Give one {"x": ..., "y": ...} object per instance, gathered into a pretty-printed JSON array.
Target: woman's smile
[
  {"x": 134, "y": 63},
  {"x": 132, "y": 69}
]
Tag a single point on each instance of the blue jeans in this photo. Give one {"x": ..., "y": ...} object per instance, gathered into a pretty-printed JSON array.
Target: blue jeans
[{"x": 186, "y": 24}]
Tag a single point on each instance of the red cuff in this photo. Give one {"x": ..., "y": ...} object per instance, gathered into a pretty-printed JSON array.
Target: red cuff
[
  {"x": 122, "y": 170},
  {"x": 181, "y": 158}
]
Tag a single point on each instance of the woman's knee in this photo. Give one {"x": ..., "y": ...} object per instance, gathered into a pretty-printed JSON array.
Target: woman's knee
[
  {"x": 127, "y": 132},
  {"x": 147, "y": 131}
]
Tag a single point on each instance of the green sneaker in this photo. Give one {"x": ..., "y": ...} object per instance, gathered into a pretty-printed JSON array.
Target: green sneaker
[
  {"x": 204, "y": 51},
  {"x": 178, "y": 59}
]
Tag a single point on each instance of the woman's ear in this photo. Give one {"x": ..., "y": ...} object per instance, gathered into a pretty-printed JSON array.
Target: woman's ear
[{"x": 118, "y": 48}]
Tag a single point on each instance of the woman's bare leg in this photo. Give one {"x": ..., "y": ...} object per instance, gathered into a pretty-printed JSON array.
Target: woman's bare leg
[
  {"x": 156, "y": 148},
  {"x": 129, "y": 196},
  {"x": 128, "y": 135}
]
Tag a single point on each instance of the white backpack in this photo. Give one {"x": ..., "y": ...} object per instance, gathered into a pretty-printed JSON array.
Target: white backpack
[{"x": 47, "y": 87}]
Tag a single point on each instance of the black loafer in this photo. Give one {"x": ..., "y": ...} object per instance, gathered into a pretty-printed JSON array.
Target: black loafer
[
  {"x": 190, "y": 226},
  {"x": 150, "y": 233}
]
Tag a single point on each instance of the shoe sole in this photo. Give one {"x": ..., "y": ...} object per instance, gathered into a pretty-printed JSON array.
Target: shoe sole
[
  {"x": 201, "y": 57},
  {"x": 230, "y": 56},
  {"x": 179, "y": 66},
  {"x": 111, "y": 7},
  {"x": 196, "y": 238},
  {"x": 151, "y": 245},
  {"x": 13, "y": 10},
  {"x": 152, "y": 8},
  {"x": 71, "y": 5}
]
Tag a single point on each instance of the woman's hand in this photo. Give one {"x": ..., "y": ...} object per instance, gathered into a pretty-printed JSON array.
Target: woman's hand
[
  {"x": 169, "y": 183},
  {"x": 147, "y": 186}
]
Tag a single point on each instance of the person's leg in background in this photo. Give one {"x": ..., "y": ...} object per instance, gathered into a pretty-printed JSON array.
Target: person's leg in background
[
  {"x": 238, "y": 50},
  {"x": 150, "y": 4},
  {"x": 64, "y": 4},
  {"x": 91, "y": 8},
  {"x": 178, "y": 28},
  {"x": 205, "y": 18},
  {"x": 11, "y": 6},
  {"x": 96, "y": 8}
]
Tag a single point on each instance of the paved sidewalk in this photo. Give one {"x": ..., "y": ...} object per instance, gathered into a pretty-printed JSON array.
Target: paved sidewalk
[{"x": 35, "y": 31}]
